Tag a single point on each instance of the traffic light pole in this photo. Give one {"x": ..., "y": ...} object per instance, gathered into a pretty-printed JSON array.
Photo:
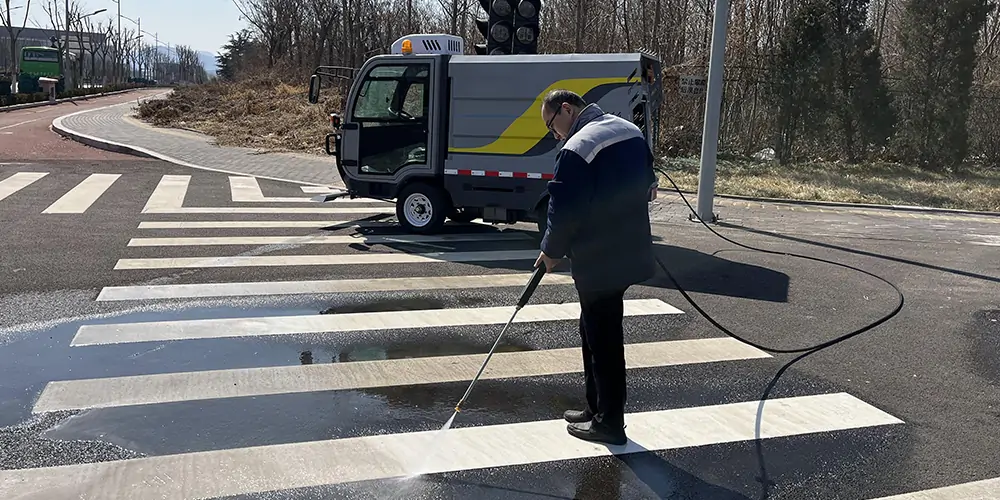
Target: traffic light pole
[{"x": 713, "y": 110}]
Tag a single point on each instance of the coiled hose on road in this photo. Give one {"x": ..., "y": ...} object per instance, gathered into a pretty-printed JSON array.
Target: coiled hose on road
[{"x": 805, "y": 351}]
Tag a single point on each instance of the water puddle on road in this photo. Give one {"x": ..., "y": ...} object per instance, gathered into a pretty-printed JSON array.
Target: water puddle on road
[{"x": 38, "y": 357}]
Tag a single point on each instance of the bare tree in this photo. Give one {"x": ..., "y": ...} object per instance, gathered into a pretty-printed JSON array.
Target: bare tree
[{"x": 8, "y": 22}]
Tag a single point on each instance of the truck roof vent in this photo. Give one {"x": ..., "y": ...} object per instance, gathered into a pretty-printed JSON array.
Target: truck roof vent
[{"x": 434, "y": 43}]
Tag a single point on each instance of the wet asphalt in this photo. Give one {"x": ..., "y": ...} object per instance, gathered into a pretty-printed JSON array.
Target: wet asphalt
[{"x": 933, "y": 365}]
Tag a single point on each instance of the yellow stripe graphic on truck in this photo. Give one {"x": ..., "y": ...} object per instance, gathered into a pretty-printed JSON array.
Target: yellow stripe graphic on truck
[{"x": 529, "y": 128}]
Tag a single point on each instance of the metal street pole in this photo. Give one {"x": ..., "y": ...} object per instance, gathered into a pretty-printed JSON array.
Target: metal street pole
[{"x": 713, "y": 109}]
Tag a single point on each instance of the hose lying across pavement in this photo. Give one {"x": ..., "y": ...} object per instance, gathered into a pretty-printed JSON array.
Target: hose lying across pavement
[{"x": 804, "y": 350}]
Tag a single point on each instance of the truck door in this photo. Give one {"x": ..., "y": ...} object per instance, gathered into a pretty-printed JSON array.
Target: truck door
[{"x": 386, "y": 133}]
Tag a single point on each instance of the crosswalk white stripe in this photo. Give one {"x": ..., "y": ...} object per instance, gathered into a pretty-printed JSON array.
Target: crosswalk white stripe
[
  {"x": 243, "y": 382},
  {"x": 985, "y": 489},
  {"x": 342, "y": 323},
  {"x": 316, "y": 189},
  {"x": 83, "y": 195},
  {"x": 249, "y": 470},
  {"x": 326, "y": 239},
  {"x": 261, "y": 224},
  {"x": 18, "y": 181},
  {"x": 323, "y": 260},
  {"x": 247, "y": 189},
  {"x": 367, "y": 285},
  {"x": 168, "y": 195},
  {"x": 271, "y": 210}
]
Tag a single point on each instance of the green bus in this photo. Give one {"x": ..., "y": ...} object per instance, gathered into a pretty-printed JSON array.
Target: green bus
[{"x": 37, "y": 62}]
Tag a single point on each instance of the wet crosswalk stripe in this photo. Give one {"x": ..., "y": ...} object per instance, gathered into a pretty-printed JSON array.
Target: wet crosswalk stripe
[
  {"x": 83, "y": 195},
  {"x": 295, "y": 465},
  {"x": 345, "y": 322},
  {"x": 328, "y": 239},
  {"x": 975, "y": 490},
  {"x": 324, "y": 260},
  {"x": 18, "y": 181},
  {"x": 366, "y": 285},
  {"x": 243, "y": 382}
]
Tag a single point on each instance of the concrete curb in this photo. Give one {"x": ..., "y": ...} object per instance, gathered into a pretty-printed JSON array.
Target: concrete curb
[
  {"x": 128, "y": 149},
  {"x": 17, "y": 107}
]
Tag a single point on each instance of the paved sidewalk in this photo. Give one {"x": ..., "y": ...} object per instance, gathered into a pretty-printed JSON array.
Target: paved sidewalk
[{"x": 116, "y": 128}]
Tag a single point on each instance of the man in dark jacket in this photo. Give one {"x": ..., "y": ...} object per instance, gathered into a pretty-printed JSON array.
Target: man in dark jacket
[{"x": 598, "y": 217}]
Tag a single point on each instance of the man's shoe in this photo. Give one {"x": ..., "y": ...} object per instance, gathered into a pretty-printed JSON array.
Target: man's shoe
[
  {"x": 589, "y": 431},
  {"x": 577, "y": 416}
]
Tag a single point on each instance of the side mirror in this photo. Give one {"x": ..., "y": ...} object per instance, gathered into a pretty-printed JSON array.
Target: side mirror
[{"x": 314, "y": 89}]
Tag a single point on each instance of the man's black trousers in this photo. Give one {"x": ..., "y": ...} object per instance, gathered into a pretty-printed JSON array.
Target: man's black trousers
[{"x": 604, "y": 354}]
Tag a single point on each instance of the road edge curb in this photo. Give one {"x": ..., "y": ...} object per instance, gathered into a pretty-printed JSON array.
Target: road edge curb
[{"x": 122, "y": 148}]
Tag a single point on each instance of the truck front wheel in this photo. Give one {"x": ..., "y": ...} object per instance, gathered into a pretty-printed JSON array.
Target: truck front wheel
[{"x": 422, "y": 208}]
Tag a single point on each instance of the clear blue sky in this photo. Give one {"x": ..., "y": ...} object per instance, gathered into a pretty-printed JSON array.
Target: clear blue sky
[{"x": 202, "y": 24}]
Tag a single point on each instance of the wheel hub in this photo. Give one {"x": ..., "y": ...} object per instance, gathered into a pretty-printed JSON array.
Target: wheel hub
[{"x": 418, "y": 210}]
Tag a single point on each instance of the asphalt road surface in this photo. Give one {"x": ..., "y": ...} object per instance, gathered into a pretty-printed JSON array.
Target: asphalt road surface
[{"x": 173, "y": 333}]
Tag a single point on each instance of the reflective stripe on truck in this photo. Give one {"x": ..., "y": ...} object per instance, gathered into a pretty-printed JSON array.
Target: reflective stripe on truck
[{"x": 496, "y": 173}]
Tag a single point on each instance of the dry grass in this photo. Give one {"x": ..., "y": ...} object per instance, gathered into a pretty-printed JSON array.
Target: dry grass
[
  {"x": 259, "y": 113},
  {"x": 265, "y": 114},
  {"x": 880, "y": 183}
]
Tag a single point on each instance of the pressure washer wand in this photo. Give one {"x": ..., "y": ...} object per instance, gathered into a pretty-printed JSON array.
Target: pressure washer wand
[{"x": 529, "y": 289}]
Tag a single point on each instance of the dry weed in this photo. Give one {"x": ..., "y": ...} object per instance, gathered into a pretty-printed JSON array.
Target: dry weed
[
  {"x": 881, "y": 183},
  {"x": 259, "y": 113}
]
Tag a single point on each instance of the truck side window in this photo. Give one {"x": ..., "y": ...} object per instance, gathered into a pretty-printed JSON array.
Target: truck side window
[{"x": 392, "y": 114}]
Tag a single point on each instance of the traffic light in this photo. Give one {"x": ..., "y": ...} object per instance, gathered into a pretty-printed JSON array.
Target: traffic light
[
  {"x": 526, "y": 27},
  {"x": 497, "y": 28}
]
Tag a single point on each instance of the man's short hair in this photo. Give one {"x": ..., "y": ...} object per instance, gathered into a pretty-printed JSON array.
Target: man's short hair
[{"x": 553, "y": 100}]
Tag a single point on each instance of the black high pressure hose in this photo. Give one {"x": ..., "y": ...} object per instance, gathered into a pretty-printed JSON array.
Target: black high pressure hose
[{"x": 804, "y": 350}]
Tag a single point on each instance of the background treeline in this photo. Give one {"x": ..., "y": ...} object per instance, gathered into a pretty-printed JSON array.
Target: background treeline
[{"x": 915, "y": 81}]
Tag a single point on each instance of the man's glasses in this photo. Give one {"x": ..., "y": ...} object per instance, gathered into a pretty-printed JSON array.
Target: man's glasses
[{"x": 548, "y": 124}]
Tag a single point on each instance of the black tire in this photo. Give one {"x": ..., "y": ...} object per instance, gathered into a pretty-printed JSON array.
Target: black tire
[{"x": 422, "y": 208}]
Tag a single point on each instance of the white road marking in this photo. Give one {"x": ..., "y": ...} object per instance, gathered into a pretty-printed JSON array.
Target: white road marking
[
  {"x": 244, "y": 382},
  {"x": 323, "y": 260},
  {"x": 156, "y": 331},
  {"x": 168, "y": 195},
  {"x": 83, "y": 195},
  {"x": 18, "y": 181},
  {"x": 326, "y": 239},
  {"x": 247, "y": 189},
  {"x": 19, "y": 124},
  {"x": 255, "y": 224},
  {"x": 985, "y": 489},
  {"x": 198, "y": 290},
  {"x": 168, "y": 198},
  {"x": 271, "y": 210},
  {"x": 317, "y": 189},
  {"x": 239, "y": 471}
]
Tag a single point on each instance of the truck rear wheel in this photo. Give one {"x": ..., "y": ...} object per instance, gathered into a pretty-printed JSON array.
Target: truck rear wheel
[{"x": 422, "y": 208}]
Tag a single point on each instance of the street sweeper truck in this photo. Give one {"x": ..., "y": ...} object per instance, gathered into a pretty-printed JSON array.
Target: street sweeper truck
[{"x": 452, "y": 136}]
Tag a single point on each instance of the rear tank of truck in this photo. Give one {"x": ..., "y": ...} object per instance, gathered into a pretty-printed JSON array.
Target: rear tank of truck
[{"x": 500, "y": 154}]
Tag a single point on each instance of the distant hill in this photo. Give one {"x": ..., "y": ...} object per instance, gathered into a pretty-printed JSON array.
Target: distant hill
[{"x": 207, "y": 60}]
